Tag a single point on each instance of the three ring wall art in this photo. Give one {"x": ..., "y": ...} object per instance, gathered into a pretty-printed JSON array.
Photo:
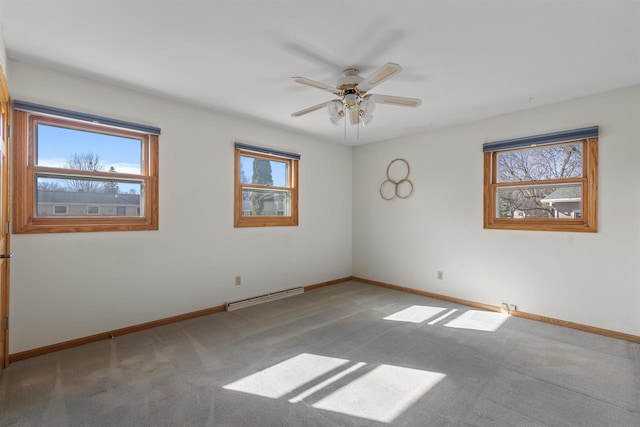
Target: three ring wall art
[{"x": 397, "y": 183}]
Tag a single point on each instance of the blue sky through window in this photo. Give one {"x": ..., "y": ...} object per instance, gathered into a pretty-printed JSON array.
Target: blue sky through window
[
  {"x": 278, "y": 170},
  {"x": 58, "y": 145}
]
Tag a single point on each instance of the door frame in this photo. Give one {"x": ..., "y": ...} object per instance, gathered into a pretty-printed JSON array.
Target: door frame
[{"x": 5, "y": 213}]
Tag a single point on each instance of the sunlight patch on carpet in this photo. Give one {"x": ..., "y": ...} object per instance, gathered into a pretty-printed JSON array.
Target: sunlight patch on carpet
[
  {"x": 415, "y": 314},
  {"x": 444, "y": 316},
  {"x": 382, "y": 394},
  {"x": 378, "y": 392},
  {"x": 487, "y": 321},
  {"x": 285, "y": 377}
]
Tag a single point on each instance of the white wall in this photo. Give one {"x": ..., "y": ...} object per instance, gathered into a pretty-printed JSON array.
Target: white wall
[
  {"x": 588, "y": 278},
  {"x": 66, "y": 286},
  {"x": 71, "y": 285}
]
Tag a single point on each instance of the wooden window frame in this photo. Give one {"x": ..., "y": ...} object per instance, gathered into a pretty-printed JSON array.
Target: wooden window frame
[
  {"x": 25, "y": 171},
  {"x": 589, "y": 181},
  {"x": 265, "y": 221}
]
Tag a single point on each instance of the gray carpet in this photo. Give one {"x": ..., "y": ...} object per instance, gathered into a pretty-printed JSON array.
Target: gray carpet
[{"x": 344, "y": 355}]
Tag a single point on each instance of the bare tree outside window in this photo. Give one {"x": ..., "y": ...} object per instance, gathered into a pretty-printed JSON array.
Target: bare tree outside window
[
  {"x": 50, "y": 186},
  {"x": 534, "y": 165},
  {"x": 88, "y": 161}
]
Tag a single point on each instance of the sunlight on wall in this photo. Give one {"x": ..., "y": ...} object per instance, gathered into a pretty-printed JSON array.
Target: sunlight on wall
[
  {"x": 478, "y": 320},
  {"x": 379, "y": 393},
  {"x": 415, "y": 314}
]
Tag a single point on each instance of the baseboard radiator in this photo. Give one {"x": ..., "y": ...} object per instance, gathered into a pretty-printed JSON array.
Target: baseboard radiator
[{"x": 230, "y": 306}]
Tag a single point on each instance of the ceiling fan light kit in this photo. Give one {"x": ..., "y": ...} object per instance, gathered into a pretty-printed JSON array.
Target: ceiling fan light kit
[{"x": 353, "y": 99}]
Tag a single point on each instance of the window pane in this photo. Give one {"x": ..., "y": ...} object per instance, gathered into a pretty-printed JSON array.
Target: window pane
[
  {"x": 79, "y": 149},
  {"x": 541, "y": 163},
  {"x": 559, "y": 202},
  {"x": 87, "y": 197},
  {"x": 265, "y": 202},
  {"x": 254, "y": 170}
]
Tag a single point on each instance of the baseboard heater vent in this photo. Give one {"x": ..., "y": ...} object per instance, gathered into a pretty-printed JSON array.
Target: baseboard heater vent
[{"x": 263, "y": 298}]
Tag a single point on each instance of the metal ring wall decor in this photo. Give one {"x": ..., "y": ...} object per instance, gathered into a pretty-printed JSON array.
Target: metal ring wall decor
[{"x": 401, "y": 188}]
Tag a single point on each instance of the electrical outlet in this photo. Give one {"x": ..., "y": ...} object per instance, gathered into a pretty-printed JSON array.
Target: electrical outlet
[
  {"x": 238, "y": 280},
  {"x": 440, "y": 275}
]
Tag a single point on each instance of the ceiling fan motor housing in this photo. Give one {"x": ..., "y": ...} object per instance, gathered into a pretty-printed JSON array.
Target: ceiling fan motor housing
[{"x": 349, "y": 80}]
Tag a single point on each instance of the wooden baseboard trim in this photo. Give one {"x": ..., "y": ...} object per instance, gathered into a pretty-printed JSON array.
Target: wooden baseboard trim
[
  {"x": 429, "y": 294},
  {"x": 579, "y": 326},
  {"x": 525, "y": 315},
  {"x": 15, "y": 357},
  {"x": 329, "y": 283}
]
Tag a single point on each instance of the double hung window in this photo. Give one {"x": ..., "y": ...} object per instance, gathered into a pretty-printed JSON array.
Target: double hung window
[
  {"x": 543, "y": 182},
  {"x": 266, "y": 187},
  {"x": 75, "y": 172}
]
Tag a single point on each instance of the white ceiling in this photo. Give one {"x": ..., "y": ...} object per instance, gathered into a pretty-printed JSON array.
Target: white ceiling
[{"x": 465, "y": 59}]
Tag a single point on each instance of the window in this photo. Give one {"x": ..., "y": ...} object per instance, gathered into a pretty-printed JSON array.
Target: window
[
  {"x": 266, "y": 187},
  {"x": 60, "y": 210},
  {"x": 100, "y": 174},
  {"x": 545, "y": 182}
]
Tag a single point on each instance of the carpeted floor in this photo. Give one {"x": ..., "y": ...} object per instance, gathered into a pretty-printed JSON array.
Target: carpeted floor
[{"x": 344, "y": 355}]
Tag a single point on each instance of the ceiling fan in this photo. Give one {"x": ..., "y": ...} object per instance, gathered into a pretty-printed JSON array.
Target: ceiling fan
[{"x": 353, "y": 99}]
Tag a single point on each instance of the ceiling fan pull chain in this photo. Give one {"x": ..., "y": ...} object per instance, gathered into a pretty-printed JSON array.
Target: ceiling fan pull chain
[{"x": 345, "y": 129}]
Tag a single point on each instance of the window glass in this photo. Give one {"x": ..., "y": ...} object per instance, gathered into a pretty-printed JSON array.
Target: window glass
[
  {"x": 542, "y": 201},
  {"x": 262, "y": 202},
  {"x": 61, "y": 147},
  {"x": 82, "y": 195},
  {"x": 541, "y": 163},
  {"x": 263, "y": 171},
  {"x": 59, "y": 210}
]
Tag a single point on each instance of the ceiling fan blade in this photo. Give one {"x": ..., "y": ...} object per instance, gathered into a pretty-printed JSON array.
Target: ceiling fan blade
[
  {"x": 315, "y": 84},
  {"x": 394, "y": 100},
  {"x": 310, "y": 109},
  {"x": 382, "y": 74},
  {"x": 354, "y": 116}
]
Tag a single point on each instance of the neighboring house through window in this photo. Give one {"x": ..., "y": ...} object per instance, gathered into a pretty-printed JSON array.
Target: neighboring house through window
[
  {"x": 103, "y": 172},
  {"x": 266, "y": 187},
  {"x": 544, "y": 182}
]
